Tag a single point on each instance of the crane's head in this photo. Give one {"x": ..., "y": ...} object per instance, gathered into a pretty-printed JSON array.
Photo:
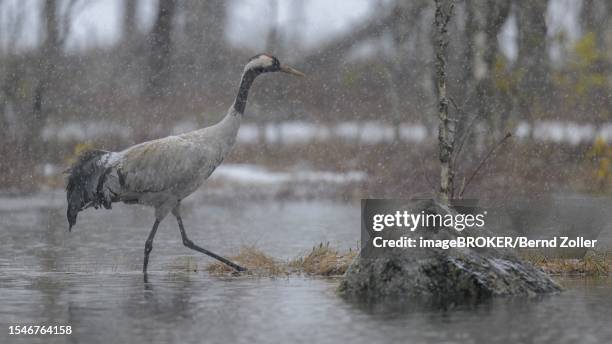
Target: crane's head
[{"x": 265, "y": 63}]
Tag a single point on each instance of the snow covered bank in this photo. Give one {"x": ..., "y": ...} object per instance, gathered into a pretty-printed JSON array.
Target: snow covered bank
[
  {"x": 255, "y": 174},
  {"x": 366, "y": 132}
]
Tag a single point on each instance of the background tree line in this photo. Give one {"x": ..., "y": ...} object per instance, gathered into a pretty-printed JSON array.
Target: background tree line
[{"x": 382, "y": 69}]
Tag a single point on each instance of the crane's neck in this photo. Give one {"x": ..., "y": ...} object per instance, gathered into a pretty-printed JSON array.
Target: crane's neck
[
  {"x": 243, "y": 92},
  {"x": 224, "y": 133}
]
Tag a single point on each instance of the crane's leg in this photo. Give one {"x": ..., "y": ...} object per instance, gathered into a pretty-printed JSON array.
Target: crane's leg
[
  {"x": 187, "y": 242},
  {"x": 149, "y": 245}
]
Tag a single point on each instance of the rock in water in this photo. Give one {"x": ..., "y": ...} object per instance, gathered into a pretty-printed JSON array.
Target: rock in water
[{"x": 435, "y": 274}]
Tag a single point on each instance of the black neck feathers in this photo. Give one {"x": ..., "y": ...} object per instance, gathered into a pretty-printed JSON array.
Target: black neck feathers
[{"x": 243, "y": 92}]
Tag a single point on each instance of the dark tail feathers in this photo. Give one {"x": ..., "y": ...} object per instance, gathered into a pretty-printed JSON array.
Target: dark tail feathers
[{"x": 86, "y": 179}]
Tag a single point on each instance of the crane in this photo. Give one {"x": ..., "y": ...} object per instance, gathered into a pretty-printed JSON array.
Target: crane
[{"x": 161, "y": 173}]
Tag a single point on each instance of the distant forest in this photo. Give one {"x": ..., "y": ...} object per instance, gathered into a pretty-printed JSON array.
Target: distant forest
[{"x": 382, "y": 69}]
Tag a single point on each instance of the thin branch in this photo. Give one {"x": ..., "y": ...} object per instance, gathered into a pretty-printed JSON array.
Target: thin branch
[
  {"x": 486, "y": 157},
  {"x": 426, "y": 175},
  {"x": 329, "y": 53},
  {"x": 469, "y": 128}
]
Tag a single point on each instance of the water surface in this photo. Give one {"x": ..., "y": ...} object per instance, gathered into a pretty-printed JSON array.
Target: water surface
[{"x": 90, "y": 279}]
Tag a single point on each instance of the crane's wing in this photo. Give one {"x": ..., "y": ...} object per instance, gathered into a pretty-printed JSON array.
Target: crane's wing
[{"x": 164, "y": 164}]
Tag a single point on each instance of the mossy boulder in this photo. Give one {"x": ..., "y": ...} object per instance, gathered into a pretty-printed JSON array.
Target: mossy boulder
[{"x": 454, "y": 274}]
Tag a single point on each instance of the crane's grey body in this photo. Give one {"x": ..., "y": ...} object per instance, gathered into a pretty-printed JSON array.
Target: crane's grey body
[{"x": 162, "y": 172}]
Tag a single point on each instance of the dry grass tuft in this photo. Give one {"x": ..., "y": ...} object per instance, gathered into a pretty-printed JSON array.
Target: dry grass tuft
[
  {"x": 595, "y": 263},
  {"x": 324, "y": 261},
  {"x": 256, "y": 262}
]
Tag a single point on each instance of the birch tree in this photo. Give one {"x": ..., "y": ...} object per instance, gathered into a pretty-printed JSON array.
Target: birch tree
[
  {"x": 446, "y": 130},
  {"x": 160, "y": 42}
]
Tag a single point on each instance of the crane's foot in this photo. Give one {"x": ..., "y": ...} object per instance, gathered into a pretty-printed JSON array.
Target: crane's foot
[
  {"x": 239, "y": 268},
  {"x": 236, "y": 267},
  {"x": 188, "y": 243}
]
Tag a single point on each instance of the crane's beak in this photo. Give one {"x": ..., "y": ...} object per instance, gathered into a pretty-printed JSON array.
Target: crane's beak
[{"x": 291, "y": 70}]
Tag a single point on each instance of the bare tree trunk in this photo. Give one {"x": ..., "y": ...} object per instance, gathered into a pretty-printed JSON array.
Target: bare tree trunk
[
  {"x": 274, "y": 45},
  {"x": 160, "y": 42},
  {"x": 205, "y": 36},
  {"x": 398, "y": 73},
  {"x": 446, "y": 134},
  {"x": 533, "y": 61},
  {"x": 595, "y": 21},
  {"x": 9, "y": 74},
  {"x": 129, "y": 19},
  {"x": 394, "y": 70},
  {"x": 484, "y": 22},
  {"x": 297, "y": 15},
  {"x": 594, "y": 18},
  {"x": 48, "y": 59},
  {"x": 394, "y": 100},
  {"x": 125, "y": 77}
]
